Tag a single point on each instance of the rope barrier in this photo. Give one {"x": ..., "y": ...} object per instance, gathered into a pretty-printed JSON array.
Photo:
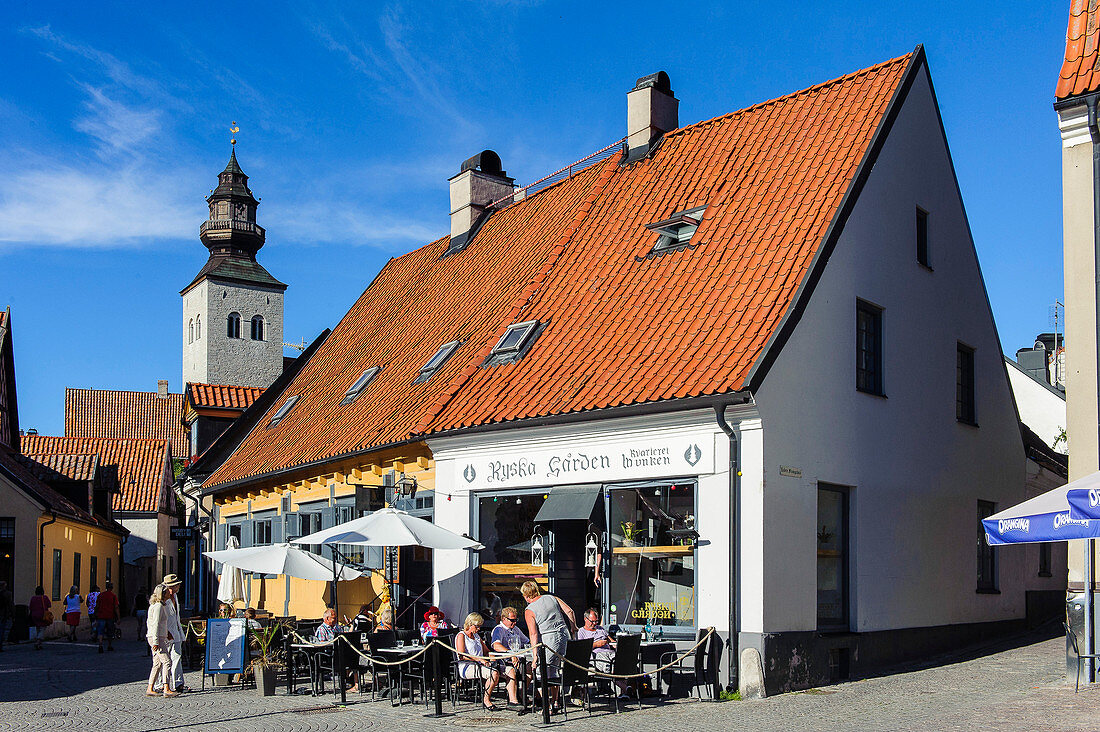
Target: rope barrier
[{"x": 685, "y": 654}]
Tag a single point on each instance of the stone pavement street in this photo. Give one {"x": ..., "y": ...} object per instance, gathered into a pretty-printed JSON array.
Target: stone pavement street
[{"x": 1010, "y": 686}]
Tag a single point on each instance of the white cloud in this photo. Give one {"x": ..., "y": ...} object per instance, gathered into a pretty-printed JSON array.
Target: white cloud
[{"x": 118, "y": 127}]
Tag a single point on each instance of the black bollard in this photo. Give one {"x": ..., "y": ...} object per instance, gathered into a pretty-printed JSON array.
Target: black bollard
[
  {"x": 545, "y": 685},
  {"x": 340, "y": 666},
  {"x": 437, "y": 679},
  {"x": 289, "y": 650}
]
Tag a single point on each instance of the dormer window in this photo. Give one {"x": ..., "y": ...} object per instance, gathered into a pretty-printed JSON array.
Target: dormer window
[
  {"x": 435, "y": 362},
  {"x": 360, "y": 385},
  {"x": 514, "y": 343},
  {"x": 676, "y": 231},
  {"x": 284, "y": 410}
]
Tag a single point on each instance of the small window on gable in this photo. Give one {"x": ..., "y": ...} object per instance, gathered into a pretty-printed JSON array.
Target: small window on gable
[
  {"x": 191, "y": 331},
  {"x": 360, "y": 384},
  {"x": 435, "y": 362},
  {"x": 512, "y": 344},
  {"x": 922, "y": 238},
  {"x": 677, "y": 230},
  {"x": 284, "y": 410}
]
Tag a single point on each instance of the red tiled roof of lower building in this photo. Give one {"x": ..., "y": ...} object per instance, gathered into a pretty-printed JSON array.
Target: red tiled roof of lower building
[
  {"x": 622, "y": 326},
  {"x": 64, "y": 466},
  {"x": 1080, "y": 72},
  {"x": 221, "y": 396},
  {"x": 15, "y": 466},
  {"x": 143, "y": 468},
  {"x": 127, "y": 415}
]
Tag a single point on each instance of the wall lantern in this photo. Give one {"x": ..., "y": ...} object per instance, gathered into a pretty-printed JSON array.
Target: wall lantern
[
  {"x": 591, "y": 551},
  {"x": 405, "y": 486},
  {"x": 536, "y": 551}
]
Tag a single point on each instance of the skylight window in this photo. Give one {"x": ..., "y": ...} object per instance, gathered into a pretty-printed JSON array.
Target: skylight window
[
  {"x": 677, "y": 230},
  {"x": 435, "y": 362},
  {"x": 359, "y": 386},
  {"x": 284, "y": 410},
  {"x": 512, "y": 344}
]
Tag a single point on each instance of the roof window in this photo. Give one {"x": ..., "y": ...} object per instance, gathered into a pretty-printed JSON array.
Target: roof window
[
  {"x": 284, "y": 410},
  {"x": 360, "y": 385},
  {"x": 514, "y": 343},
  {"x": 676, "y": 231},
  {"x": 435, "y": 362}
]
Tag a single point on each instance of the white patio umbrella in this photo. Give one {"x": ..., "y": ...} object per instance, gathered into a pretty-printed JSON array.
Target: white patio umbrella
[
  {"x": 231, "y": 586},
  {"x": 284, "y": 559},
  {"x": 389, "y": 527}
]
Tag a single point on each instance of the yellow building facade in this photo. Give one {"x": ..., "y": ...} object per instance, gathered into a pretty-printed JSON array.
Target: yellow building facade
[{"x": 279, "y": 510}]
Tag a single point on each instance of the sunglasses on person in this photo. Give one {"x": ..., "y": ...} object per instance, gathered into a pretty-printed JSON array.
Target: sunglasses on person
[{"x": 511, "y": 619}]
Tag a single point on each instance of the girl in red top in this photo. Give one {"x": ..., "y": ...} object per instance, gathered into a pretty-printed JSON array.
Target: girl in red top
[{"x": 39, "y": 606}]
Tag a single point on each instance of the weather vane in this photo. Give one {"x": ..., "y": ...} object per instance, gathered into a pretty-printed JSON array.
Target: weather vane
[{"x": 234, "y": 129}]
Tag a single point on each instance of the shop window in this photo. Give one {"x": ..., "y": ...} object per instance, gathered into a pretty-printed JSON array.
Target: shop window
[
  {"x": 652, "y": 562},
  {"x": 832, "y": 558},
  {"x": 506, "y": 524}
]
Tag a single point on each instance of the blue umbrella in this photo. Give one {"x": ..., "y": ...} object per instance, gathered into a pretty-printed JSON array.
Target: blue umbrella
[{"x": 1047, "y": 517}]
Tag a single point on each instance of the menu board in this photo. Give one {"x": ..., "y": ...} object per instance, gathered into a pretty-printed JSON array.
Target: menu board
[{"x": 226, "y": 645}]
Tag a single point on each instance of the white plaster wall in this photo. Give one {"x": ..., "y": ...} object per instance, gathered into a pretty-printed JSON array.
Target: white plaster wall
[
  {"x": 1041, "y": 407},
  {"x": 915, "y": 473},
  {"x": 145, "y": 537}
]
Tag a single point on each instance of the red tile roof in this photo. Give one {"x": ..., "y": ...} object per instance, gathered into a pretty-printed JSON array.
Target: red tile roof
[
  {"x": 64, "y": 466},
  {"x": 1080, "y": 72},
  {"x": 126, "y": 414},
  {"x": 144, "y": 472},
  {"x": 221, "y": 396},
  {"x": 14, "y": 466},
  {"x": 623, "y": 326}
]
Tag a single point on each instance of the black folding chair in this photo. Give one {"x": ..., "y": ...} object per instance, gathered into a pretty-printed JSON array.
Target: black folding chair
[
  {"x": 628, "y": 662},
  {"x": 1090, "y": 657},
  {"x": 383, "y": 639},
  {"x": 579, "y": 652},
  {"x": 695, "y": 673}
]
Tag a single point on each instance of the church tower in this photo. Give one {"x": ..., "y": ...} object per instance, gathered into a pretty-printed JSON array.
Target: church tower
[{"x": 233, "y": 309}]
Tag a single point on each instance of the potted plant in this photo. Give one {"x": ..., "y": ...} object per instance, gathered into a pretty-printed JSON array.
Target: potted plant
[
  {"x": 631, "y": 532},
  {"x": 266, "y": 660}
]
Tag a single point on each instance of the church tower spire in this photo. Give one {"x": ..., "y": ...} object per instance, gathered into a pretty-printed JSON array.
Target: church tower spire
[{"x": 233, "y": 308}]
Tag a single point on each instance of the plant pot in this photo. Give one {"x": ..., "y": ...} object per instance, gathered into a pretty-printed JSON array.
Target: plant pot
[
  {"x": 265, "y": 680},
  {"x": 629, "y": 542}
]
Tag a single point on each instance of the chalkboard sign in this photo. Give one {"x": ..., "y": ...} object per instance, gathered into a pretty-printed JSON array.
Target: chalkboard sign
[{"x": 226, "y": 645}]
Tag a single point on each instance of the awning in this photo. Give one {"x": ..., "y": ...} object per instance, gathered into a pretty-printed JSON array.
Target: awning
[
  {"x": 1083, "y": 495},
  {"x": 569, "y": 503},
  {"x": 1046, "y": 517}
]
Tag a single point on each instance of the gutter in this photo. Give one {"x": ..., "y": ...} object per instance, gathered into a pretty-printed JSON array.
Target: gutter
[
  {"x": 735, "y": 489},
  {"x": 42, "y": 546},
  {"x": 1090, "y": 545}
]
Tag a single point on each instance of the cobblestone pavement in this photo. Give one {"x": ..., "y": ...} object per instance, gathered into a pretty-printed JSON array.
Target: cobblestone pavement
[{"x": 1011, "y": 686}]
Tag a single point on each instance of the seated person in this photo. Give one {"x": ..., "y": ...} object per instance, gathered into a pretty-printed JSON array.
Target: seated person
[
  {"x": 505, "y": 635},
  {"x": 250, "y": 618},
  {"x": 225, "y": 611},
  {"x": 434, "y": 621},
  {"x": 603, "y": 649},
  {"x": 328, "y": 628},
  {"x": 469, "y": 646},
  {"x": 361, "y": 623},
  {"x": 385, "y": 620}
]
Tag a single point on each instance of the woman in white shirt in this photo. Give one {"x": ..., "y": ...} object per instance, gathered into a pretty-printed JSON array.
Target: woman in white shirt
[
  {"x": 157, "y": 635},
  {"x": 468, "y": 644},
  {"x": 72, "y": 611}
]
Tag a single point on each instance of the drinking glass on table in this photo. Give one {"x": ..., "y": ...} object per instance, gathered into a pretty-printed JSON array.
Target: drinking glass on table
[{"x": 400, "y": 644}]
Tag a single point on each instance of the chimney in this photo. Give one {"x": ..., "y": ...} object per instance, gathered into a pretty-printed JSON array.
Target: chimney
[
  {"x": 162, "y": 388},
  {"x": 480, "y": 182},
  {"x": 651, "y": 111}
]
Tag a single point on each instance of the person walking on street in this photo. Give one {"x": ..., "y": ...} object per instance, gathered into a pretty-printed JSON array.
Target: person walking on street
[
  {"x": 157, "y": 636},
  {"x": 175, "y": 630},
  {"x": 72, "y": 611},
  {"x": 7, "y": 612},
  {"x": 106, "y": 615},
  {"x": 93, "y": 594},
  {"x": 141, "y": 612},
  {"x": 41, "y": 617}
]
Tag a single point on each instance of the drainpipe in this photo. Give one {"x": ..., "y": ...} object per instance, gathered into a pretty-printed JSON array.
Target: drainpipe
[
  {"x": 1090, "y": 571},
  {"x": 735, "y": 484},
  {"x": 42, "y": 547},
  {"x": 200, "y": 579}
]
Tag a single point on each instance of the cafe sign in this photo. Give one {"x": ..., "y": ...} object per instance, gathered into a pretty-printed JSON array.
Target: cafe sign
[{"x": 593, "y": 463}]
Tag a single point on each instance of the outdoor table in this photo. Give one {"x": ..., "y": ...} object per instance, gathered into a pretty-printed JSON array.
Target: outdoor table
[
  {"x": 652, "y": 651},
  {"x": 396, "y": 654}
]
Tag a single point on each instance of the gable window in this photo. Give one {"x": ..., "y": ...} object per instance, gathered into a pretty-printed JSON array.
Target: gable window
[
  {"x": 435, "y": 362},
  {"x": 360, "y": 385},
  {"x": 233, "y": 325},
  {"x": 676, "y": 231},
  {"x": 511, "y": 345},
  {"x": 964, "y": 384},
  {"x": 922, "y": 237},
  {"x": 198, "y": 327},
  {"x": 868, "y": 348},
  {"x": 257, "y": 327},
  {"x": 987, "y": 560},
  {"x": 191, "y": 331},
  {"x": 284, "y": 410}
]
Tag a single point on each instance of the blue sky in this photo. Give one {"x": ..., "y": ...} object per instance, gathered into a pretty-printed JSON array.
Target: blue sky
[{"x": 114, "y": 124}]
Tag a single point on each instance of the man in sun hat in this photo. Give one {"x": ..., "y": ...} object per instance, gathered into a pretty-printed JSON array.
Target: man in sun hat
[{"x": 175, "y": 630}]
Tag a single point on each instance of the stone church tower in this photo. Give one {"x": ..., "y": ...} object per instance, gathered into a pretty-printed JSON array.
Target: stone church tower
[{"x": 233, "y": 309}]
